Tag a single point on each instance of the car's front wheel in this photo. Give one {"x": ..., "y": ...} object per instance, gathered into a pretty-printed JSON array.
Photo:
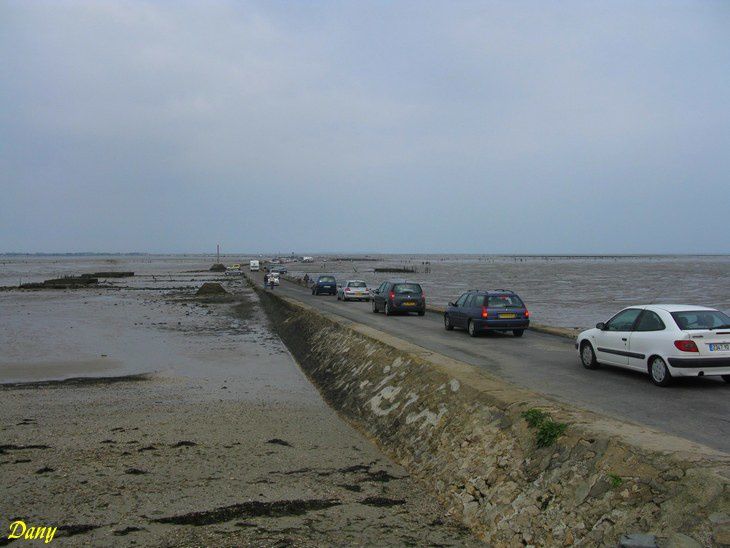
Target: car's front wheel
[
  {"x": 588, "y": 356},
  {"x": 726, "y": 378},
  {"x": 518, "y": 332},
  {"x": 472, "y": 329},
  {"x": 375, "y": 307},
  {"x": 448, "y": 326},
  {"x": 659, "y": 372}
]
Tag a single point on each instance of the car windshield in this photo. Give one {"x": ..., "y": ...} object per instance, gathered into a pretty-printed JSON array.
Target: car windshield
[
  {"x": 504, "y": 301},
  {"x": 327, "y": 279},
  {"x": 401, "y": 289},
  {"x": 356, "y": 284},
  {"x": 701, "y": 319}
]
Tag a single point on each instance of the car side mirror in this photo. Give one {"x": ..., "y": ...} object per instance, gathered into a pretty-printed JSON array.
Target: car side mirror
[
  {"x": 452, "y": 304},
  {"x": 601, "y": 326},
  {"x": 376, "y": 290}
]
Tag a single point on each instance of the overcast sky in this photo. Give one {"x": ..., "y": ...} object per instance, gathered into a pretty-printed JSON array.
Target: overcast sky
[{"x": 485, "y": 127}]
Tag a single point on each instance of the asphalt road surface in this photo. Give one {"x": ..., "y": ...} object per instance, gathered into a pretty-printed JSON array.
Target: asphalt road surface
[{"x": 695, "y": 408}]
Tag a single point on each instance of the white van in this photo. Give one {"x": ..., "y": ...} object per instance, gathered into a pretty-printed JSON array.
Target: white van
[{"x": 254, "y": 266}]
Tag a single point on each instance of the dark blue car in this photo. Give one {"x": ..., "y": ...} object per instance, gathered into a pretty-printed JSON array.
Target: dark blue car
[
  {"x": 325, "y": 285},
  {"x": 479, "y": 311}
]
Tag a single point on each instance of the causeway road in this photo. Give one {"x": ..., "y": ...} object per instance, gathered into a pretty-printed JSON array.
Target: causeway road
[{"x": 697, "y": 409}]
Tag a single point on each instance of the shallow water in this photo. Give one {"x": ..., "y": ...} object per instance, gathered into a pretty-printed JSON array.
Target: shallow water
[{"x": 562, "y": 291}]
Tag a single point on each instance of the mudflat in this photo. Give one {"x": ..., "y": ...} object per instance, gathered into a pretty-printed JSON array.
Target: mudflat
[{"x": 141, "y": 414}]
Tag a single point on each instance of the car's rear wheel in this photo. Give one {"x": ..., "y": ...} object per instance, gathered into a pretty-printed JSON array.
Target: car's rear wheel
[
  {"x": 518, "y": 332},
  {"x": 472, "y": 329},
  {"x": 375, "y": 307},
  {"x": 588, "y": 356},
  {"x": 448, "y": 326},
  {"x": 388, "y": 311},
  {"x": 421, "y": 312},
  {"x": 726, "y": 378},
  {"x": 659, "y": 372}
]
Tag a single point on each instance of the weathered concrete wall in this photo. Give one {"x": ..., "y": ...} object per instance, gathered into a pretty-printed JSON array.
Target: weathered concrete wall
[{"x": 463, "y": 434}]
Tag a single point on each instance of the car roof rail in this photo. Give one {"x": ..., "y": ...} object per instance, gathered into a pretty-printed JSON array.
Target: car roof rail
[{"x": 504, "y": 290}]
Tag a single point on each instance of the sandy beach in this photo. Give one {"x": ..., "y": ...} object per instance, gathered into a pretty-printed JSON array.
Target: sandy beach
[{"x": 141, "y": 414}]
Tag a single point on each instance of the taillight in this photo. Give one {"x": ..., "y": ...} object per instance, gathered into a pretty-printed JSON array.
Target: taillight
[
  {"x": 527, "y": 313},
  {"x": 392, "y": 295},
  {"x": 485, "y": 314},
  {"x": 686, "y": 346},
  {"x": 347, "y": 289},
  {"x": 423, "y": 296}
]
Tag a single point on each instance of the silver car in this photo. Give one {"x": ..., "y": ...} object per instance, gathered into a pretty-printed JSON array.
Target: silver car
[{"x": 353, "y": 290}]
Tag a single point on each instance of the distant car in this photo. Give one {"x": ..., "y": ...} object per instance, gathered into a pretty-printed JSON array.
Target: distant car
[
  {"x": 353, "y": 290},
  {"x": 254, "y": 265},
  {"x": 663, "y": 340},
  {"x": 480, "y": 311},
  {"x": 273, "y": 276},
  {"x": 399, "y": 296},
  {"x": 233, "y": 270},
  {"x": 325, "y": 285},
  {"x": 281, "y": 269}
]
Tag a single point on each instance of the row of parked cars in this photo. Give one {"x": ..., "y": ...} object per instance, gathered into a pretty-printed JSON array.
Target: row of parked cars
[{"x": 663, "y": 340}]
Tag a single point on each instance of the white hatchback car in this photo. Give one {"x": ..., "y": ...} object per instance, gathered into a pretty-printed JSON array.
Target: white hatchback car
[
  {"x": 353, "y": 289},
  {"x": 663, "y": 340}
]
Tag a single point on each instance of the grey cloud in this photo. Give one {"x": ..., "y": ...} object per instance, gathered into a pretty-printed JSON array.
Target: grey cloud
[{"x": 571, "y": 127}]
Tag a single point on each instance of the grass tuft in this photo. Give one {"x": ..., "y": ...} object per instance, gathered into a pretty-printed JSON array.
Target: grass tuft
[
  {"x": 615, "y": 480},
  {"x": 548, "y": 430},
  {"x": 535, "y": 417}
]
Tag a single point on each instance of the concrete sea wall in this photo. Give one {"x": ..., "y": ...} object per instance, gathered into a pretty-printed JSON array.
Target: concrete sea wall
[{"x": 574, "y": 477}]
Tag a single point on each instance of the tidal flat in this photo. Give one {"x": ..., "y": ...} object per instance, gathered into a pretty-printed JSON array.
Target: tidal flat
[{"x": 138, "y": 413}]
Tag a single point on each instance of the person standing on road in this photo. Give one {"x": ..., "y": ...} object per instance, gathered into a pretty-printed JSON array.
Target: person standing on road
[
  {"x": 271, "y": 282},
  {"x": 266, "y": 280}
]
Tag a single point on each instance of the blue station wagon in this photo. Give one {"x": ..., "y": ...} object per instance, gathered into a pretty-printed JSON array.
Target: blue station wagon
[{"x": 479, "y": 311}]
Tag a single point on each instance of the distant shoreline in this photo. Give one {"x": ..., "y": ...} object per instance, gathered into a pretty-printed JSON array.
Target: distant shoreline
[{"x": 354, "y": 256}]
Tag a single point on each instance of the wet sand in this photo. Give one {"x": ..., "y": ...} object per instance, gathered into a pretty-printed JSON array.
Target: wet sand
[{"x": 195, "y": 427}]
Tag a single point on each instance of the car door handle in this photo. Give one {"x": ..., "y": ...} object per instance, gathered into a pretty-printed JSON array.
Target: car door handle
[{"x": 624, "y": 339}]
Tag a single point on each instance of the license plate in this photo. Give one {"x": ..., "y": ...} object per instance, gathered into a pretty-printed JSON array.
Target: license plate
[
  {"x": 409, "y": 304},
  {"x": 327, "y": 286},
  {"x": 508, "y": 316},
  {"x": 719, "y": 347}
]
